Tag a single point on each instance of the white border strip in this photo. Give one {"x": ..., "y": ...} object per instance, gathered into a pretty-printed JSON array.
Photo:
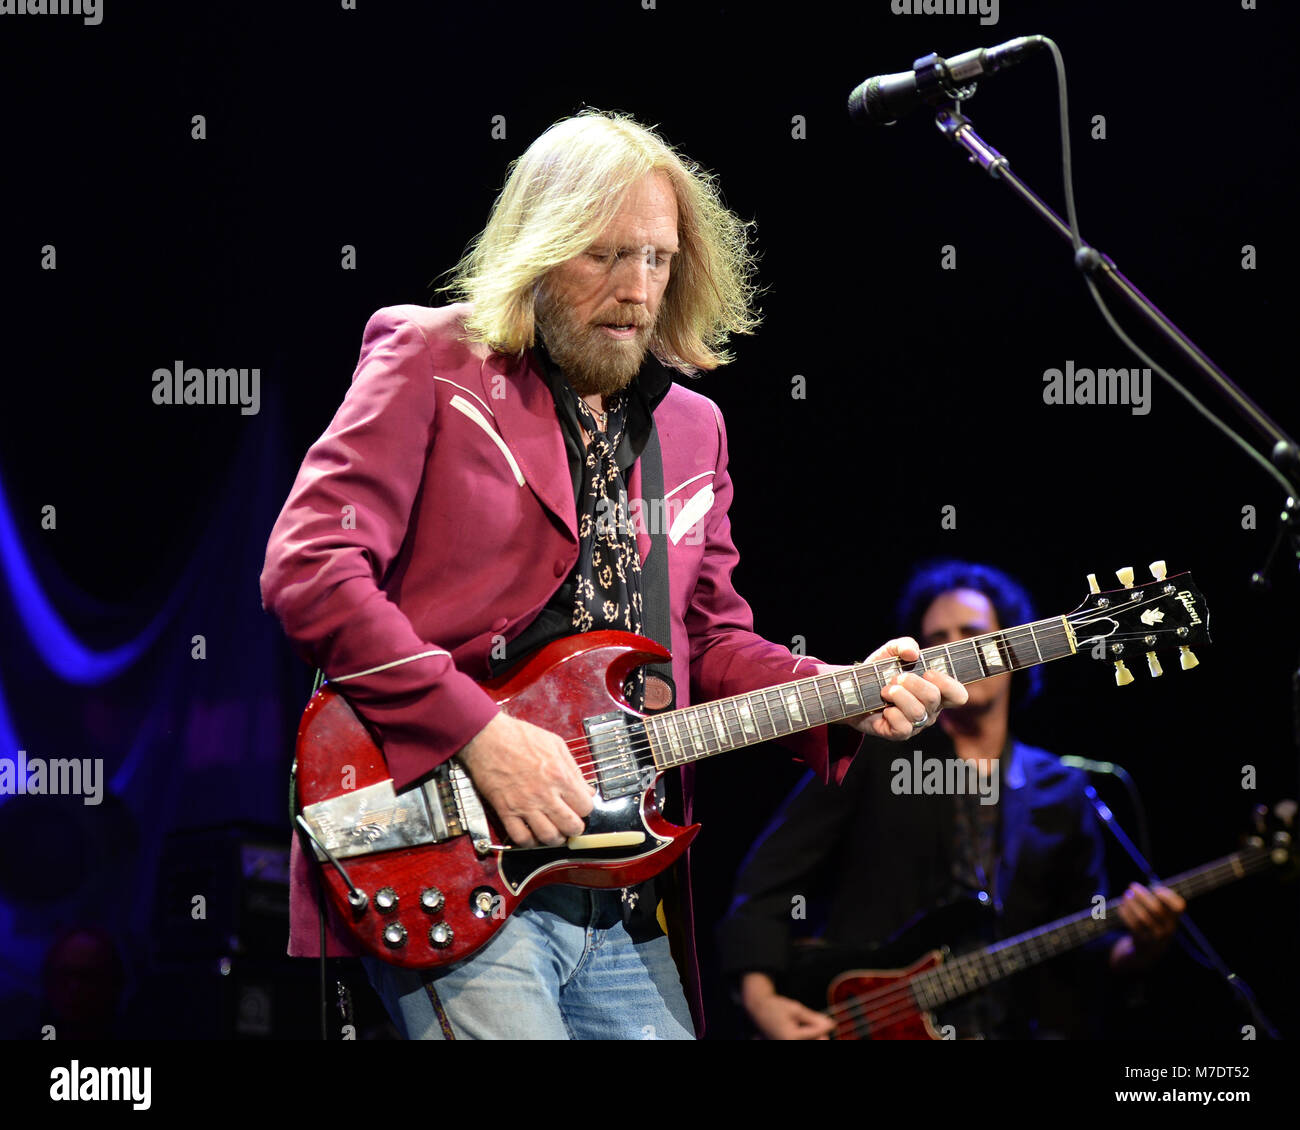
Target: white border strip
[
  {"x": 700, "y": 504},
  {"x": 687, "y": 483},
  {"x": 463, "y": 405},
  {"x": 386, "y": 666},
  {"x": 472, "y": 393}
]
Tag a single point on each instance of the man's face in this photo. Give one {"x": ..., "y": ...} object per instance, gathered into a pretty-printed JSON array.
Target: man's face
[
  {"x": 958, "y": 615},
  {"x": 597, "y": 312}
]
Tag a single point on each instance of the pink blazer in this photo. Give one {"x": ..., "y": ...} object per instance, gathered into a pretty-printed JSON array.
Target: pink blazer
[{"x": 437, "y": 512}]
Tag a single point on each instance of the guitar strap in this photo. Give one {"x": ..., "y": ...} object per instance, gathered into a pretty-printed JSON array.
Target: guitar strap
[
  {"x": 660, "y": 694},
  {"x": 655, "y": 608}
]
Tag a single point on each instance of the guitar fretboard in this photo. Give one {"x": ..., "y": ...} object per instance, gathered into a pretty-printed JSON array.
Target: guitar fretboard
[
  {"x": 679, "y": 737},
  {"x": 960, "y": 976}
]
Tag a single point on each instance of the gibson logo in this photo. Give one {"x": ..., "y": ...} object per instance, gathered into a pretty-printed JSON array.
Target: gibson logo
[{"x": 1186, "y": 600}]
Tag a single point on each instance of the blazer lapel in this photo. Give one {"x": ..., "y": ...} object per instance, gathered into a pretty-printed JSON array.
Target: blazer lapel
[{"x": 526, "y": 418}]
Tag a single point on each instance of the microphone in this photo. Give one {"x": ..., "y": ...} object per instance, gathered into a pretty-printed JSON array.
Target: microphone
[{"x": 885, "y": 98}]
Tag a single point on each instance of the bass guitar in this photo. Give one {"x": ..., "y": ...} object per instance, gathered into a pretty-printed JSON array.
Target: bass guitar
[{"x": 882, "y": 1003}]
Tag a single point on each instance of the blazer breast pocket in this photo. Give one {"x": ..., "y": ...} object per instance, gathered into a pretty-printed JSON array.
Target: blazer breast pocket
[{"x": 687, "y": 517}]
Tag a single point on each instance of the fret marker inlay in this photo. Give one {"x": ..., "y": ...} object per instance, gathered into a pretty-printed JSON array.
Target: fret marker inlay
[
  {"x": 746, "y": 719},
  {"x": 692, "y": 724},
  {"x": 718, "y": 727},
  {"x": 792, "y": 706},
  {"x": 675, "y": 742}
]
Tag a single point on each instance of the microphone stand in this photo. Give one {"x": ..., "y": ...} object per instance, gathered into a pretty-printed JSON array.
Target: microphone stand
[
  {"x": 1285, "y": 454},
  {"x": 1235, "y": 983}
]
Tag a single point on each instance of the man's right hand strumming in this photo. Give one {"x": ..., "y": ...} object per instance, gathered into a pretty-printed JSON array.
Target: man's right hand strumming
[{"x": 530, "y": 779}]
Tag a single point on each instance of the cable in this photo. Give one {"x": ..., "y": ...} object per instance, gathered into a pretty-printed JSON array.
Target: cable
[{"x": 1087, "y": 257}]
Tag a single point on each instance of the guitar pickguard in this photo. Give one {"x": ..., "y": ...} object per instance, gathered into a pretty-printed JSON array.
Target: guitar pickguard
[{"x": 518, "y": 866}]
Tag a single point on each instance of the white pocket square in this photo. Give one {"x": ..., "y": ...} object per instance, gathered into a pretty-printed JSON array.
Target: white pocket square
[{"x": 691, "y": 513}]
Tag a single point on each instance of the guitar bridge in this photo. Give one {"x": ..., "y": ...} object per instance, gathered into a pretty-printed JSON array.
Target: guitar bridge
[
  {"x": 464, "y": 802},
  {"x": 447, "y": 803}
]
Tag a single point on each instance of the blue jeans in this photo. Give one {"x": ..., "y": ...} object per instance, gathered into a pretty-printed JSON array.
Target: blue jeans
[{"x": 563, "y": 967}]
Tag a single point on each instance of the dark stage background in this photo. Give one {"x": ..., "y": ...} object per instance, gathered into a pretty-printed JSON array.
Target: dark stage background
[{"x": 373, "y": 128}]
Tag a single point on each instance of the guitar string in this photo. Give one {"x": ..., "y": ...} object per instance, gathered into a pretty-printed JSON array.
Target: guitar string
[
  {"x": 601, "y": 746},
  {"x": 732, "y": 704},
  {"x": 599, "y": 749},
  {"x": 1019, "y": 634},
  {"x": 860, "y": 1009},
  {"x": 893, "y": 1003},
  {"x": 851, "y": 1013},
  {"x": 952, "y": 985},
  {"x": 1036, "y": 946}
]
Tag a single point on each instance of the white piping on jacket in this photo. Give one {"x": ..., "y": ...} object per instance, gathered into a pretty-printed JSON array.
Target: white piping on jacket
[
  {"x": 463, "y": 405},
  {"x": 386, "y": 666}
]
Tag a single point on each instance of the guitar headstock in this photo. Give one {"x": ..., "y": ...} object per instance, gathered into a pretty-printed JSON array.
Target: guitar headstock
[
  {"x": 1137, "y": 620},
  {"x": 1274, "y": 831}
]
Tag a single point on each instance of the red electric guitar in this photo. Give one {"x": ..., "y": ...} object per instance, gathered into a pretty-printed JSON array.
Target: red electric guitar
[
  {"x": 889, "y": 1000},
  {"x": 424, "y": 877}
]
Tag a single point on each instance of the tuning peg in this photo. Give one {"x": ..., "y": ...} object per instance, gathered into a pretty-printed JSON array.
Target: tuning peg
[
  {"x": 1158, "y": 570},
  {"x": 1092, "y": 583},
  {"x": 1123, "y": 676},
  {"x": 1125, "y": 576},
  {"x": 1186, "y": 659},
  {"x": 1153, "y": 665}
]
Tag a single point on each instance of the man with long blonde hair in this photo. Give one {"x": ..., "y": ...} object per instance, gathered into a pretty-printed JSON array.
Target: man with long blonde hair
[{"x": 490, "y": 455}]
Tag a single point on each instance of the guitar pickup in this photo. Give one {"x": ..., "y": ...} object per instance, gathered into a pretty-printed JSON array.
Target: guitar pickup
[{"x": 609, "y": 740}]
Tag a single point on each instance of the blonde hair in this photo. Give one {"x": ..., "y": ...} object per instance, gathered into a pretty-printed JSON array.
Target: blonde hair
[{"x": 561, "y": 194}]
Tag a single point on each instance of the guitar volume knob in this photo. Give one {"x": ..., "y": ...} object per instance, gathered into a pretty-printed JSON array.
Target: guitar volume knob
[
  {"x": 386, "y": 900},
  {"x": 441, "y": 935},
  {"x": 394, "y": 935},
  {"x": 432, "y": 899}
]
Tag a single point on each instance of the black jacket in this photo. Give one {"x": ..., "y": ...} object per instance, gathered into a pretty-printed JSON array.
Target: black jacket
[{"x": 854, "y": 864}]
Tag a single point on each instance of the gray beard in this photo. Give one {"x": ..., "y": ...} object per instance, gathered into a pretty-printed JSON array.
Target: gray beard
[{"x": 592, "y": 362}]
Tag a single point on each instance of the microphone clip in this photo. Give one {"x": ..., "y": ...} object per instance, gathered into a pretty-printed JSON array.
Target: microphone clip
[{"x": 935, "y": 83}]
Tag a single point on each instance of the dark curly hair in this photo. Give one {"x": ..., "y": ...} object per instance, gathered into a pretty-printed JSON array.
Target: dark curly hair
[{"x": 1009, "y": 598}]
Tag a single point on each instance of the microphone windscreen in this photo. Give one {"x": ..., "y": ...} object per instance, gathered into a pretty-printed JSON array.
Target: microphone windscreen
[{"x": 857, "y": 101}]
